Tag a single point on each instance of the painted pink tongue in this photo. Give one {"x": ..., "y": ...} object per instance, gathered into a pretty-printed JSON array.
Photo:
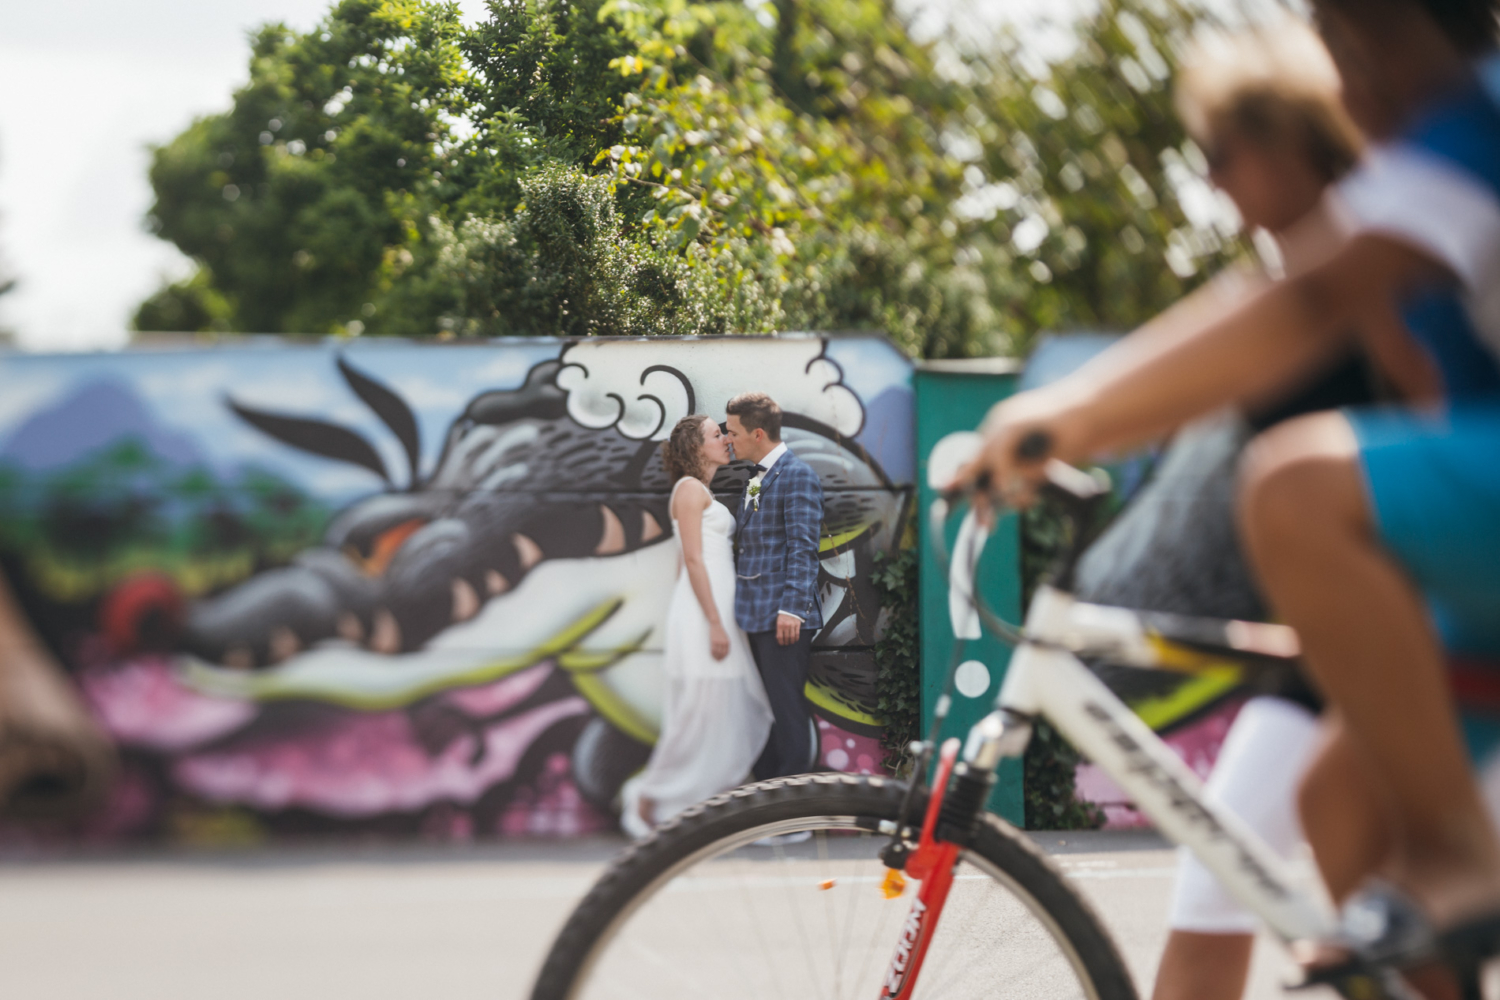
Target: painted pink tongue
[
  {"x": 141, "y": 703},
  {"x": 367, "y": 763},
  {"x": 355, "y": 764},
  {"x": 494, "y": 698}
]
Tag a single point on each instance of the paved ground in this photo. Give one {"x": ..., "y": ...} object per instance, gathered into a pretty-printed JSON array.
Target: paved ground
[{"x": 328, "y": 924}]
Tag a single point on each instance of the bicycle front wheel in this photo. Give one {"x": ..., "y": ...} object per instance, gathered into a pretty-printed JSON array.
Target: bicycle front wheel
[{"x": 775, "y": 890}]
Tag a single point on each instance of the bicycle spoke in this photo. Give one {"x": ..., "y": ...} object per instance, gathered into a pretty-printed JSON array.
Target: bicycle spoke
[{"x": 789, "y": 884}]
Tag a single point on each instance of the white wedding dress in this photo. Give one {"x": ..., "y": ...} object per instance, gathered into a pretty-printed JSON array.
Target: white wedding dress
[{"x": 716, "y": 715}]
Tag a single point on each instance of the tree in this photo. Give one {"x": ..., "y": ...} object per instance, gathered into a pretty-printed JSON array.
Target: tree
[
  {"x": 636, "y": 166},
  {"x": 937, "y": 190},
  {"x": 295, "y": 200}
]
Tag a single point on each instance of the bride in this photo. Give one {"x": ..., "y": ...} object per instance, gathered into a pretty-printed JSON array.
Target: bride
[{"x": 716, "y": 716}]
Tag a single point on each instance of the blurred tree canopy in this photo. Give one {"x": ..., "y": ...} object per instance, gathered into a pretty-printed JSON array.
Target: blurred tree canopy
[{"x": 662, "y": 166}]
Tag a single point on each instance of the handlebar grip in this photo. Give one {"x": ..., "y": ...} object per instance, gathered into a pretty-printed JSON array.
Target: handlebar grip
[{"x": 1034, "y": 447}]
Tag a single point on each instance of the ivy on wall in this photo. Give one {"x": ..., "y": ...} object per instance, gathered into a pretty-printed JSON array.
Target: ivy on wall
[
  {"x": 1048, "y": 787},
  {"x": 898, "y": 655}
]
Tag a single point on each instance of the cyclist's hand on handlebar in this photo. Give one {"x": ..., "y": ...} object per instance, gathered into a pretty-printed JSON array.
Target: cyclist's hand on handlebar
[{"x": 1020, "y": 435}]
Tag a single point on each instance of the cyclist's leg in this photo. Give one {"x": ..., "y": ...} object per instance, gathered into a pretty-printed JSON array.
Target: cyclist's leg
[
  {"x": 1346, "y": 815},
  {"x": 1350, "y": 825},
  {"x": 1368, "y": 639},
  {"x": 1198, "y": 966}
]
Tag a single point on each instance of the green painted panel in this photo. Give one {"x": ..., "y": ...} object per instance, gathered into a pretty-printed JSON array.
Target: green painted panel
[{"x": 955, "y": 398}]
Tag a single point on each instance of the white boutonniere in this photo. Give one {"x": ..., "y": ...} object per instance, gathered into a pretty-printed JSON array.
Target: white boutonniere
[{"x": 754, "y": 491}]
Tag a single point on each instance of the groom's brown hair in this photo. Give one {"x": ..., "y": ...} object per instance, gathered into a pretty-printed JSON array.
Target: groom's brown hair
[{"x": 757, "y": 410}]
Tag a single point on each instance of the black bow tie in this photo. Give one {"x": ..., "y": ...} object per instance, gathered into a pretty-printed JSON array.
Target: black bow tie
[{"x": 760, "y": 468}]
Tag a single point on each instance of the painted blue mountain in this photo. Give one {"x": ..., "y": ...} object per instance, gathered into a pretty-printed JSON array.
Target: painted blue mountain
[{"x": 94, "y": 415}]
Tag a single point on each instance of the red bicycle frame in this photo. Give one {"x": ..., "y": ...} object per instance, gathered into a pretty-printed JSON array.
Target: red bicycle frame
[{"x": 932, "y": 863}]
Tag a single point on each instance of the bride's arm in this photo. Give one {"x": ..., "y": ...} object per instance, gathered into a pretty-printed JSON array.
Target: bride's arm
[{"x": 688, "y": 507}]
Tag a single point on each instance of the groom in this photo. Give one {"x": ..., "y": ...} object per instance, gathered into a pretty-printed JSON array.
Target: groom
[{"x": 776, "y": 601}]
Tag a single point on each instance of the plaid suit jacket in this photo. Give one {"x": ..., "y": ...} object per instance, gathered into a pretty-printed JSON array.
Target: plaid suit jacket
[{"x": 777, "y": 563}]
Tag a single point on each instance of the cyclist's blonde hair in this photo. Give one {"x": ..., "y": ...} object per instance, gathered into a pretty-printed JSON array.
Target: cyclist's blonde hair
[{"x": 1272, "y": 85}]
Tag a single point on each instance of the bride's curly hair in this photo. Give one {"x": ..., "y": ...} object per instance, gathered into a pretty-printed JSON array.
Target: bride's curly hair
[{"x": 682, "y": 451}]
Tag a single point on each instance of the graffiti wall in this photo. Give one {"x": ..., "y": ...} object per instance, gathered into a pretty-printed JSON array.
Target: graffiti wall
[{"x": 410, "y": 589}]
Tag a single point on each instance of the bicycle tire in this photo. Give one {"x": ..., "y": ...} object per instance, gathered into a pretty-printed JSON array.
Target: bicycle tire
[{"x": 785, "y": 804}]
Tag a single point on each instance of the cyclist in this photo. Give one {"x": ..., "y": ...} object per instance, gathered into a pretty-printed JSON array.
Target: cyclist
[
  {"x": 1372, "y": 531},
  {"x": 1264, "y": 108}
]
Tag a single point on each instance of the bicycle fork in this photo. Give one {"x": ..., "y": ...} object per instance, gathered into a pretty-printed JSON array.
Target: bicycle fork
[
  {"x": 948, "y": 823},
  {"x": 932, "y": 862}
]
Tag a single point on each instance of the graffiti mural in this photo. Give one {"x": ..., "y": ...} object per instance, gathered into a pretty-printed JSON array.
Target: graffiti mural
[{"x": 410, "y": 589}]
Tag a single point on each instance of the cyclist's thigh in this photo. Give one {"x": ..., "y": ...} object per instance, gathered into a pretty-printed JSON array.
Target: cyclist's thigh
[{"x": 1302, "y": 475}]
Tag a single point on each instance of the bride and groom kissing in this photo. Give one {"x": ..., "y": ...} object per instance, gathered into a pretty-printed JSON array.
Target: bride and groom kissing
[{"x": 739, "y": 626}]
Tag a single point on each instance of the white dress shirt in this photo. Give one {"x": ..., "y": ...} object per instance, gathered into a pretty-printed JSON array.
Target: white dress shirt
[{"x": 765, "y": 463}]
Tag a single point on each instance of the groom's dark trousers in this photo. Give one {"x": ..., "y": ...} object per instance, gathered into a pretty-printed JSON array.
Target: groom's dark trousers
[{"x": 783, "y": 671}]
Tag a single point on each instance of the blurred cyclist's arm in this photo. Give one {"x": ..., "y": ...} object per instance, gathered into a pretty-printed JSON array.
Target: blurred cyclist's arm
[
  {"x": 1188, "y": 362},
  {"x": 1306, "y": 245}
]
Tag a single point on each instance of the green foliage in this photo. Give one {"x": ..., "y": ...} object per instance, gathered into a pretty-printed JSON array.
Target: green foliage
[
  {"x": 1050, "y": 762},
  {"x": 898, "y": 654},
  {"x": 192, "y": 305},
  {"x": 555, "y": 266},
  {"x": 81, "y": 529},
  {"x": 1047, "y": 785},
  {"x": 934, "y": 189},
  {"x": 542, "y": 90},
  {"x": 631, "y": 166},
  {"x": 325, "y": 167}
]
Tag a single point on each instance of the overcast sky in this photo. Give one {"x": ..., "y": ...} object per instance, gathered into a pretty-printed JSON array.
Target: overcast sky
[{"x": 85, "y": 87}]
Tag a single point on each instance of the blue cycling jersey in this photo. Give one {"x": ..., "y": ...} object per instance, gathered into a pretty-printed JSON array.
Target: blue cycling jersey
[{"x": 1437, "y": 187}]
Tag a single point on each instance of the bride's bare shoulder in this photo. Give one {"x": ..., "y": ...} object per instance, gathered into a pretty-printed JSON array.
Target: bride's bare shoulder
[{"x": 690, "y": 499}]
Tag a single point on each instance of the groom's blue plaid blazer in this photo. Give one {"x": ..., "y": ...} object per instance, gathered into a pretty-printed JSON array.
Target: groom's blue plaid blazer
[{"x": 778, "y": 548}]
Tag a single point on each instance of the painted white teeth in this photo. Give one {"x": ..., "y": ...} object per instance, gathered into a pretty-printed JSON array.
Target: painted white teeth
[
  {"x": 613, "y": 539},
  {"x": 386, "y": 636},
  {"x": 465, "y": 600},
  {"x": 284, "y": 644},
  {"x": 529, "y": 551},
  {"x": 351, "y": 628}
]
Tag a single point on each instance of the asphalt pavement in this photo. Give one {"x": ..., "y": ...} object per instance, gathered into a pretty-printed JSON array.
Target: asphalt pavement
[{"x": 336, "y": 922}]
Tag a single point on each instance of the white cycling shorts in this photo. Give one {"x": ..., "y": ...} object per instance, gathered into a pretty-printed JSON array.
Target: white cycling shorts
[{"x": 1256, "y": 776}]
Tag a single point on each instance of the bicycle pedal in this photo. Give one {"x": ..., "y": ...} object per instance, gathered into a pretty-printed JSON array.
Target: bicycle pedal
[
  {"x": 1362, "y": 983},
  {"x": 894, "y": 883}
]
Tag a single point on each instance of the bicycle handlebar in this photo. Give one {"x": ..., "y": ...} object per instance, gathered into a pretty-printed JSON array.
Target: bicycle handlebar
[
  {"x": 1061, "y": 481},
  {"x": 1034, "y": 447},
  {"x": 1076, "y": 493}
]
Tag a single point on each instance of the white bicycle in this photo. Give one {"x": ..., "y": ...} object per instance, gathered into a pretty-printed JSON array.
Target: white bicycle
[{"x": 707, "y": 907}]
